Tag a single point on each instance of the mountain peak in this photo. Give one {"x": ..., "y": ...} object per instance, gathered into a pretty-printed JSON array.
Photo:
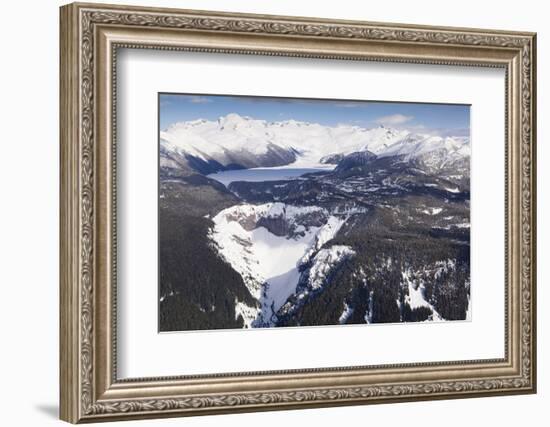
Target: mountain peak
[{"x": 233, "y": 119}]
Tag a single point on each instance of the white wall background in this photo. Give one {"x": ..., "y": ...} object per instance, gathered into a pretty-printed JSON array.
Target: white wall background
[{"x": 29, "y": 170}]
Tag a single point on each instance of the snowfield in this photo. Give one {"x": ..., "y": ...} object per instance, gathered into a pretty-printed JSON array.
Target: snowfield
[
  {"x": 346, "y": 314},
  {"x": 452, "y": 190},
  {"x": 432, "y": 211},
  {"x": 269, "y": 263},
  {"x": 416, "y": 288}
]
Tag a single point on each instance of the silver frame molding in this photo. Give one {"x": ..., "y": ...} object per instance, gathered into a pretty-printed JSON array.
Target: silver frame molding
[{"x": 90, "y": 37}]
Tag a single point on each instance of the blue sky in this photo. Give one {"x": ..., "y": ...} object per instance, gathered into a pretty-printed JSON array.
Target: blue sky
[{"x": 442, "y": 119}]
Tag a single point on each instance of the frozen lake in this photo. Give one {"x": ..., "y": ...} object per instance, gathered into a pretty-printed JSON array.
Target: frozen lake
[{"x": 266, "y": 174}]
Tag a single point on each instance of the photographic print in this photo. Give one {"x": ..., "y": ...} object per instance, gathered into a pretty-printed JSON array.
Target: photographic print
[{"x": 281, "y": 212}]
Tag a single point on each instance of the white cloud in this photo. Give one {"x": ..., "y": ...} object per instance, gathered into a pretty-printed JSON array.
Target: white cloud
[
  {"x": 199, "y": 100},
  {"x": 394, "y": 119},
  {"x": 349, "y": 104}
]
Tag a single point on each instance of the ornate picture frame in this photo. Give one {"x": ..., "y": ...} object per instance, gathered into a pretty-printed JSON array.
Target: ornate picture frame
[{"x": 90, "y": 37}]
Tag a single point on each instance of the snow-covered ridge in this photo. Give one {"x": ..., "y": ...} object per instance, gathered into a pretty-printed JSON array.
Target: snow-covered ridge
[
  {"x": 266, "y": 244},
  {"x": 245, "y": 212},
  {"x": 323, "y": 262},
  {"x": 234, "y": 137}
]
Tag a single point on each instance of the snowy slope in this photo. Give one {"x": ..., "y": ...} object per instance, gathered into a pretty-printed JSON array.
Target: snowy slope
[
  {"x": 236, "y": 140},
  {"x": 415, "y": 284}
]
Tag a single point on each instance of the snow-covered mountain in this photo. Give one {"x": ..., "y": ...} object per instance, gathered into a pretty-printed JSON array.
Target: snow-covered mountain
[{"x": 234, "y": 142}]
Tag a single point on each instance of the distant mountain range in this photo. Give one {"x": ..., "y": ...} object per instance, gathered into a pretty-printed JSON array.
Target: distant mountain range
[{"x": 237, "y": 142}]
